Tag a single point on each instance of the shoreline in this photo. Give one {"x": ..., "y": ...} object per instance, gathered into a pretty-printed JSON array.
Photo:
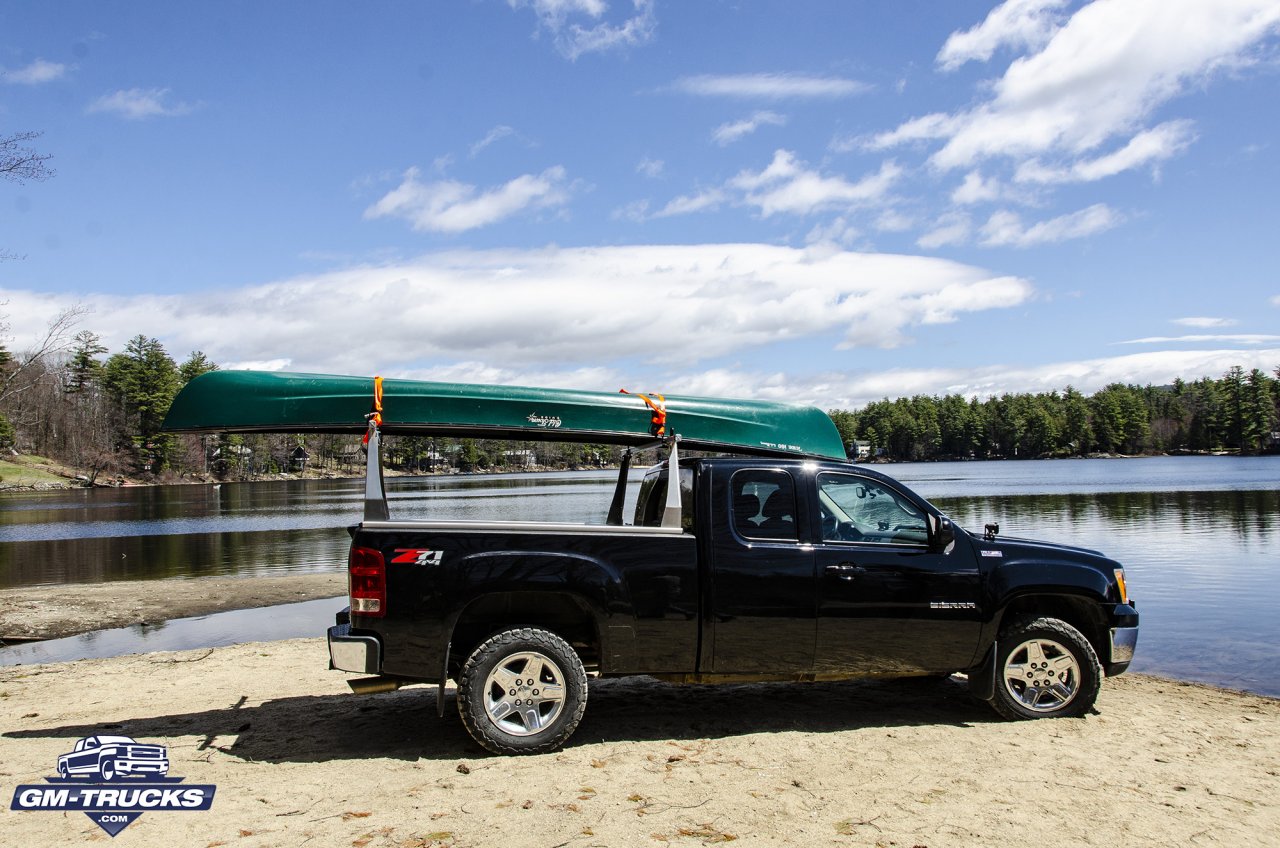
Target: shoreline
[
  {"x": 54, "y": 611},
  {"x": 74, "y": 481}
]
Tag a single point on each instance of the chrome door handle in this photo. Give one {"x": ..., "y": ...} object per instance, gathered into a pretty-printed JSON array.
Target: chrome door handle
[{"x": 845, "y": 570}]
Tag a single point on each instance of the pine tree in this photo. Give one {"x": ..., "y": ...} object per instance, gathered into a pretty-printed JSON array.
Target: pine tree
[{"x": 84, "y": 367}]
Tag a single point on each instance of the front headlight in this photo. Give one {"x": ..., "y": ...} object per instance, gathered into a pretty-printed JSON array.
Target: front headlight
[{"x": 1124, "y": 592}]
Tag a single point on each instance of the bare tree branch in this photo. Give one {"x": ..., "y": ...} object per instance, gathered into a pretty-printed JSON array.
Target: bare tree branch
[
  {"x": 57, "y": 338},
  {"x": 20, "y": 163}
]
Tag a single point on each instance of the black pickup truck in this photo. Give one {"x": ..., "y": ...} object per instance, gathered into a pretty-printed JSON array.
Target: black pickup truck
[
  {"x": 778, "y": 569},
  {"x": 782, "y": 562}
]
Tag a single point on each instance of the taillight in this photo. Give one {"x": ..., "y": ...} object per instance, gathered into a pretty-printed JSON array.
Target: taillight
[{"x": 367, "y": 577}]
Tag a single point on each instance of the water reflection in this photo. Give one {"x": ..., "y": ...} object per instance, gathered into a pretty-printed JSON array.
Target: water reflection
[
  {"x": 92, "y": 535},
  {"x": 1202, "y": 567},
  {"x": 283, "y": 621},
  {"x": 147, "y": 557}
]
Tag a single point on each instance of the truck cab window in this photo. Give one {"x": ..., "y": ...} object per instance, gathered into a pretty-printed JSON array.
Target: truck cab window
[
  {"x": 857, "y": 509},
  {"x": 764, "y": 505},
  {"x": 652, "y": 499}
]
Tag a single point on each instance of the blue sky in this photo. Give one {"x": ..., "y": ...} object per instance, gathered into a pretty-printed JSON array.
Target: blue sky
[{"x": 829, "y": 202}]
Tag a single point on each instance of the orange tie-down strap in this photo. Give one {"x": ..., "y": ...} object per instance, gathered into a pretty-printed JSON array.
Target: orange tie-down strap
[
  {"x": 376, "y": 415},
  {"x": 659, "y": 407}
]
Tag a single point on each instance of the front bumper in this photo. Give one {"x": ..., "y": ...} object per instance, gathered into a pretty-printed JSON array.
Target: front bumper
[
  {"x": 357, "y": 653},
  {"x": 142, "y": 766},
  {"x": 1124, "y": 639}
]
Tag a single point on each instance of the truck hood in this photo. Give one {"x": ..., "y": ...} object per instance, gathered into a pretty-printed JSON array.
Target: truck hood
[{"x": 1032, "y": 549}]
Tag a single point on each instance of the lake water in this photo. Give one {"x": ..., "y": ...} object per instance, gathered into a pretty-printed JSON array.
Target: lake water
[{"x": 1199, "y": 537}]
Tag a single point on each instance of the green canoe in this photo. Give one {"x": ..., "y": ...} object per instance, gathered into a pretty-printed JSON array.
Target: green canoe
[{"x": 262, "y": 401}]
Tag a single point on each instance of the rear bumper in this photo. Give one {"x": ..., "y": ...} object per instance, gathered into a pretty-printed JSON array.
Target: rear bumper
[{"x": 358, "y": 653}]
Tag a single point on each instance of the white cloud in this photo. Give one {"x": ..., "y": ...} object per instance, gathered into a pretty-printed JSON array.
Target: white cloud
[
  {"x": 837, "y": 232},
  {"x": 572, "y": 39},
  {"x": 855, "y": 389},
  {"x": 727, "y": 134},
  {"x": 1149, "y": 146},
  {"x": 494, "y": 135},
  {"x": 951, "y": 228},
  {"x": 38, "y": 72},
  {"x": 1017, "y": 23},
  {"x": 651, "y": 168},
  {"x": 1005, "y": 228},
  {"x": 770, "y": 86},
  {"x": 138, "y": 103},
  {"x": 1232, "y": 338},
  {"x": 636, "y": 210},
  {"x": 977, "y": 189},
  {"x": 1206, "y": 322},
  {"x": 893, "y": 221},
  {"x": 703, "y": 201},
  {"x": 549, "y": 309},
  {"x": 452, "y": 207},
  {"x": 257, "y": 365},
  {"x": 787, "y": 186},
  {"x": 1099, "y": 76}
]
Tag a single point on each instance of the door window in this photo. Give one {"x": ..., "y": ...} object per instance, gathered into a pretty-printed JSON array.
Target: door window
[
  {"x": 856, "y": 509},
  {"x": 764, "y": 505}
]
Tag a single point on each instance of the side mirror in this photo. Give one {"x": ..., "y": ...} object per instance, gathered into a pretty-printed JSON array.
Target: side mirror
[{"x": 942, "y": 534}]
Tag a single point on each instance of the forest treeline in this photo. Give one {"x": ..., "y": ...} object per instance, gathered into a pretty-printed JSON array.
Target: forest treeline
[
  {"x": 71, "y": 400},
  {"x": 1238, "y": 412}
]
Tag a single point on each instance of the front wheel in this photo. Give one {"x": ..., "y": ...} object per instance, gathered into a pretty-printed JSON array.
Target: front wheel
[
  {"x": 522, "y": 691},
  {"x": 1045, "y": 668}
]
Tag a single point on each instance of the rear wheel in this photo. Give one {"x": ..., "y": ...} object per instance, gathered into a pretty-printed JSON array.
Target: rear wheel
[
  {"x": 522, "y": 691},
  {"x": 1045, "y": 668}
]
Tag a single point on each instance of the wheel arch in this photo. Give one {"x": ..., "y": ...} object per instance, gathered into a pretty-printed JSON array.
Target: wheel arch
[
  {"x": 565, "y": 614},
  {"x": 1082, "y": 612}
]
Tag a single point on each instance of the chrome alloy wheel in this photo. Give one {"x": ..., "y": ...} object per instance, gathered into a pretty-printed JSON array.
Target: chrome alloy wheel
[
  {"x": 524, "y": 694},
  {"x": 1042, "y": 675}
]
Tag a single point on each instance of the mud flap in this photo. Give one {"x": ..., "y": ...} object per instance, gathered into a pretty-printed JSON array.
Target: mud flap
[
  {"x": 444, "y": 678},
  {"x": 982, "y": 677}
]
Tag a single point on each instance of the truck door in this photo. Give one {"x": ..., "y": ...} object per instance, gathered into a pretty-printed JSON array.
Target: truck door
[
  {"x": 762, "y": 574},
  {"x": 887, "y": 603}
]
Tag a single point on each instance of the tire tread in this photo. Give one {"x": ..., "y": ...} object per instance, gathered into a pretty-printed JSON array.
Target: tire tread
[
  {"x": 1090, "y": 668},
  {"x": 472, "y": 711}
]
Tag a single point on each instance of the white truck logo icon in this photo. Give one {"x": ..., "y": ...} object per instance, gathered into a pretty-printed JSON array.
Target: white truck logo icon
[{"x": 113, "y": 757}]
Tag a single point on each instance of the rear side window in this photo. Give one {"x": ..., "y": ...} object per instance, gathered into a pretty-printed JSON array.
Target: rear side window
[
  {"x": 764, "y": 505},
  {"x": 652, "y": 500}
]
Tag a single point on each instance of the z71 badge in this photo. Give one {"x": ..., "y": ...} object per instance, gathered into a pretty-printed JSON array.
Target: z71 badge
[{"x": 418, "y": 556}]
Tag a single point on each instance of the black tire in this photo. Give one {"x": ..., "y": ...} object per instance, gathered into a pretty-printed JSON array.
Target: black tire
[
  {"x": 107, "y": 769},
  {"x": 1045, "y": 668},
  {"x": 523, "y": 691}
]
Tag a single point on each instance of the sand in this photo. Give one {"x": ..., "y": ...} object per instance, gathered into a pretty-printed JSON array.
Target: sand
[
  {"x": 298, "y": 760},
  {"x": 50, "y": 612}
]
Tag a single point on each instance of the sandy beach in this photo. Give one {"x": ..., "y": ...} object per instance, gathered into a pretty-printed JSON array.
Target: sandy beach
[
  {"x": 51, "y": 612},
  {"x": 298, "y": 760}
]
